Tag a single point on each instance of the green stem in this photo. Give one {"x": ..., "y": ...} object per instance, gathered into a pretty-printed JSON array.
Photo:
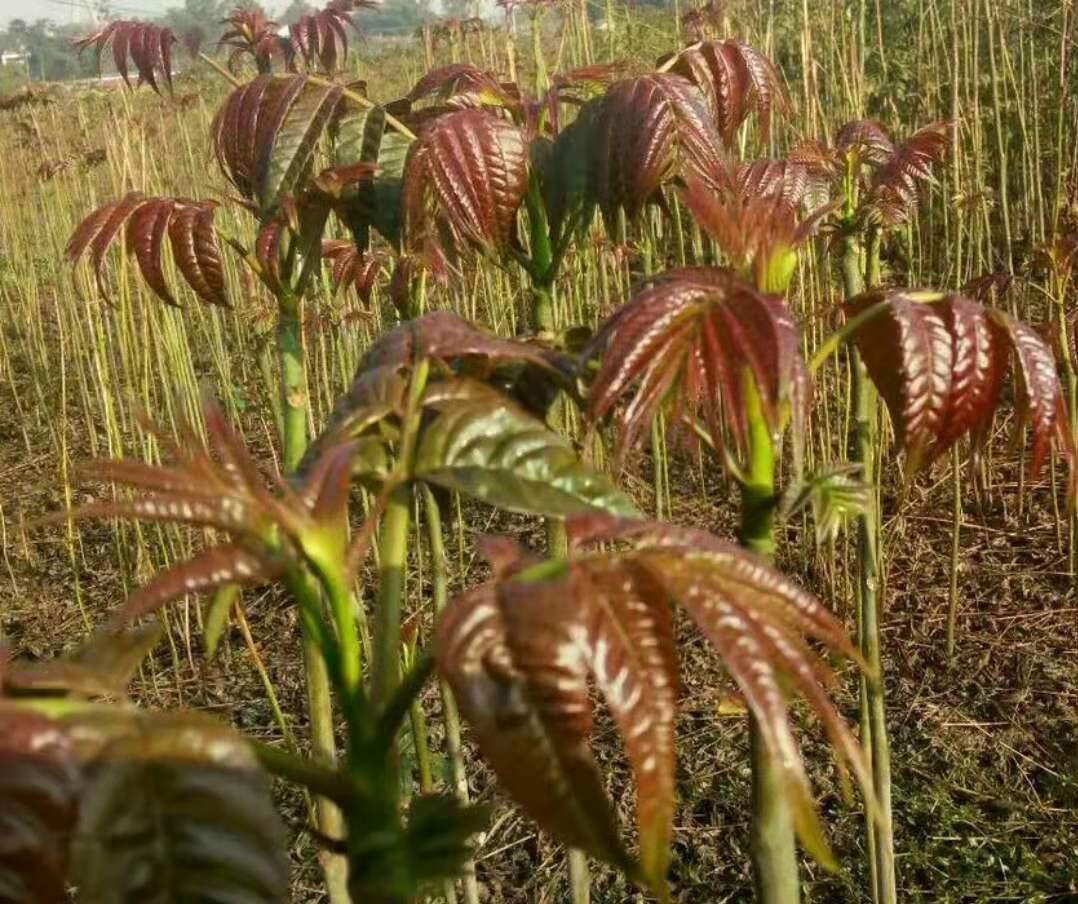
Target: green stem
[
  {"x": 420, "y": 668},
  {"x": 872, "y": 257},
  {"x": 774, "y": 851},
  {"x": 542, "y": 79},
  {"x": 421, "y": 740},
  {"x": 450, "y": 715},
  {"x": 774, "y": 854},
  {"x": 220, "y": 70},
  {"x": 349, "y": 649},
  {"x": 385, "y": 669},
  {"x": 545, "y": 262},
  {"x": 319, "y": 698},
  {"x": 324, "y": 746},
  {"x": 316, "y": 778},
  {"x": 323, "y": 741},
  {"x": 293, "y": 383},
  {"x": 267, "y": 683},
  {"x": 658, "y": 462},
  {"x": 542, "y": 263},
  {"x": 542, "y": 309},
  {"x": 557, "y": 543},
  {"x": 873, "y": 703},
  {"x": 579, "y": 877},
  {"x": 758, "y": 489}
]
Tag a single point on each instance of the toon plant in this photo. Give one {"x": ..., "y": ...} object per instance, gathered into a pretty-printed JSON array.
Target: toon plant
[
  {"x": 725, "y": 361},
  {"x": 443, "y": 172},
  {"x": 466, "y": 171},
  {"x": 432, "y": 403}
]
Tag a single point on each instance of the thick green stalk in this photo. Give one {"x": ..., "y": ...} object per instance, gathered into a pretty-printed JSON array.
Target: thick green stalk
[
  {"x": 342, "y": 607},
  {"x": 542, "y": 265},
  {"x": 758, "y": 490},
  {"x": 542, "y": 309},
  {"x": 385, "y": 668},
  {"x": 323, "y": 743},
  {"x": 319, "y": 697},
  {"x": 542, "y": 271},
  {"x": 873, "y": 704},
  {"x": 293, "y": 383},
  {"x": 579, "y": 877},
  {"x": 774, "y": 851}
]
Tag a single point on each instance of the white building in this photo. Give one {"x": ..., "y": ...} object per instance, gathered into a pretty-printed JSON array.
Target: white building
[{"x": 18, "y": 57}]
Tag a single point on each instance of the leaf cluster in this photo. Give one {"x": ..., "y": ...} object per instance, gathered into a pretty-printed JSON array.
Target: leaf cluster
[
  {"x": 940, "y": 361},
  {"x": 521, "y": 652},
  {"x": 129, "y": 806}
]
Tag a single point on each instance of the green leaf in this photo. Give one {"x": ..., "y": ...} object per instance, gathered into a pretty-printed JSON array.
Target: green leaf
[
  {"x": 286, "y": 159},
  {"x": 387, "y": 188},
  {"x": 566, "y": 176},
  {"x": 216, "y": 619},
  {"x": 176, "y": 810},
  {"x": 435, "y": 843},
  {"x": 439, "y": 833},
  {"x": 482, "y": 444},
  {"x": 357, "y": 136},
  {"x": 361, "y": 137},
  {"x": 835, "y": 494}
]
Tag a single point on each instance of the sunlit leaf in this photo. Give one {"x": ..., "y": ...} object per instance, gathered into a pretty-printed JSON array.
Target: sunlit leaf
[
  {"x": 217, "y": 484},
  {"x": 267, "y": 131},
  {"x": 692, "y": 335},
  {"x": 939, "y": 362},
  {"x": 521, "y": 651},
  {"x": 736, "y": 79},
  {"x": 304, "y": 114},
  {"x": 320, "y": 38},
  {"x": 536, "y": 742},
  {"x": 650, "y": 130},
  {"x": 467, "y": 173},
  {"x": 895, "y": 184},
  {"x": 145, "y": 223},
  {"x": 483, "y": 444},
  {"x": 250, "y": 32}
]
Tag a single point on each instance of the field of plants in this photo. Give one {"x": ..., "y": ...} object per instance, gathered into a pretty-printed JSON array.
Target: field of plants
[{"x": 602, "y": 453}]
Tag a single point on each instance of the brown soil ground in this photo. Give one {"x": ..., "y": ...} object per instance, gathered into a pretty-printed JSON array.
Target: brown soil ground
[{"x": 985, "y": 748}]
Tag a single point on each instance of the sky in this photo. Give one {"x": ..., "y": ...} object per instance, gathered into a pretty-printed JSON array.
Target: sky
[{"x": 61, "y": 10}]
